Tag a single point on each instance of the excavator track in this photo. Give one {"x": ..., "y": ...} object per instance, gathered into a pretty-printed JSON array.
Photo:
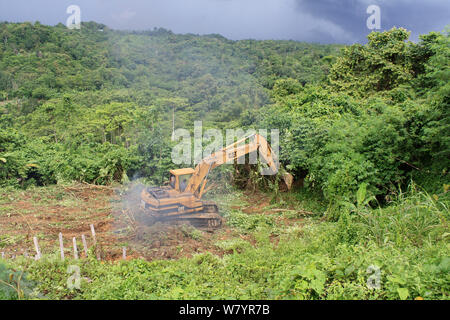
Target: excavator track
[
  {"x": 208, "y": 218},
  {"x": 201, "y": 220}
]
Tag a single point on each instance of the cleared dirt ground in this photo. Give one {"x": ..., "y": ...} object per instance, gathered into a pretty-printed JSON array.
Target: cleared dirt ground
[{"x": 45, "y": 212}]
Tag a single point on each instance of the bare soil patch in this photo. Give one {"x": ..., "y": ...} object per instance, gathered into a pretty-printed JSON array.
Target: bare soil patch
[
  {"x": 45, "y": 212},
  {"x": 117, "y": 218}
]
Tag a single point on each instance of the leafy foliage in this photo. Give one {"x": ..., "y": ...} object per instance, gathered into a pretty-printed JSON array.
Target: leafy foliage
[
  {"x": 14, "y": 285},
  {"x": 95, "y": 104},
  {"x": 311, "y": 260},
  {"x": 379, "y": 120}
]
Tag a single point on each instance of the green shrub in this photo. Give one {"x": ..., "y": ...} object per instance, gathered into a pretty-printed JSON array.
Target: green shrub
[{"x": 14, "y": 284}]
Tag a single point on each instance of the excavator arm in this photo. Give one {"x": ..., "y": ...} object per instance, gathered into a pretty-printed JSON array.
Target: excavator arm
[{"x": 198, "y": 180}]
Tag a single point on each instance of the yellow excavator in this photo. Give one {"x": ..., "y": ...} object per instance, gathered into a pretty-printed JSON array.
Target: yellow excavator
[{"x": 180, "y": 200}]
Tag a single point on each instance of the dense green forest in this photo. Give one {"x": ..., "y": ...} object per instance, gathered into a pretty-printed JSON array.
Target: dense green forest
[
  {"x": 95, "y": 104},
  {"x": 365, "y": 129}
]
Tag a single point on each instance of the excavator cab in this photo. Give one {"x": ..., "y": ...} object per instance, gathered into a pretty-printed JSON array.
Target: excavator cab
[{"x": 179, "y": 178}]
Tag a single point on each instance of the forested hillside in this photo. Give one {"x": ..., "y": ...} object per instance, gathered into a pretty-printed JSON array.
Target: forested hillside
[
  {"x": 381, "y": 118},
  {"x": 94, "y": 104}
]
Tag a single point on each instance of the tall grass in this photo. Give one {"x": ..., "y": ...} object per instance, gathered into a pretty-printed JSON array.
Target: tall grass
[{"x": 414, "y": 218}]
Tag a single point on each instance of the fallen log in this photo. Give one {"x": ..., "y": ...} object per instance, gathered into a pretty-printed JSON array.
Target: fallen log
[{"x": 292, "y": 210}]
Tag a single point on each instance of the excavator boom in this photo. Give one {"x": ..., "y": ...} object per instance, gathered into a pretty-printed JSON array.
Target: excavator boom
[{"x": 228, "y": 154}]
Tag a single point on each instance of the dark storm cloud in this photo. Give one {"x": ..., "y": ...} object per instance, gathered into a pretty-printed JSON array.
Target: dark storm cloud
[
  {"x": 322, "y": 21},
  {"x": 418, "y": 16}
]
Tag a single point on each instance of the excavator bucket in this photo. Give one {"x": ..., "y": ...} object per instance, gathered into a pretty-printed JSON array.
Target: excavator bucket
[{"x": 288, "y": 180}]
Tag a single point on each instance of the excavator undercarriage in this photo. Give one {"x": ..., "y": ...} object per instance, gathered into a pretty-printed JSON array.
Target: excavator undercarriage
[{"x": 179, "y": 209}]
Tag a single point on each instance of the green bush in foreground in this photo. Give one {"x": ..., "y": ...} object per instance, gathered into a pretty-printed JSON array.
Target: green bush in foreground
[
  {"x": 14, "y": 285},
  {"x": 407, "y": 242}
]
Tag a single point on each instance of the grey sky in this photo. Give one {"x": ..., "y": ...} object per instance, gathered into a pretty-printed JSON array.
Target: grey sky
[{"x": 324, "y": 21}]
